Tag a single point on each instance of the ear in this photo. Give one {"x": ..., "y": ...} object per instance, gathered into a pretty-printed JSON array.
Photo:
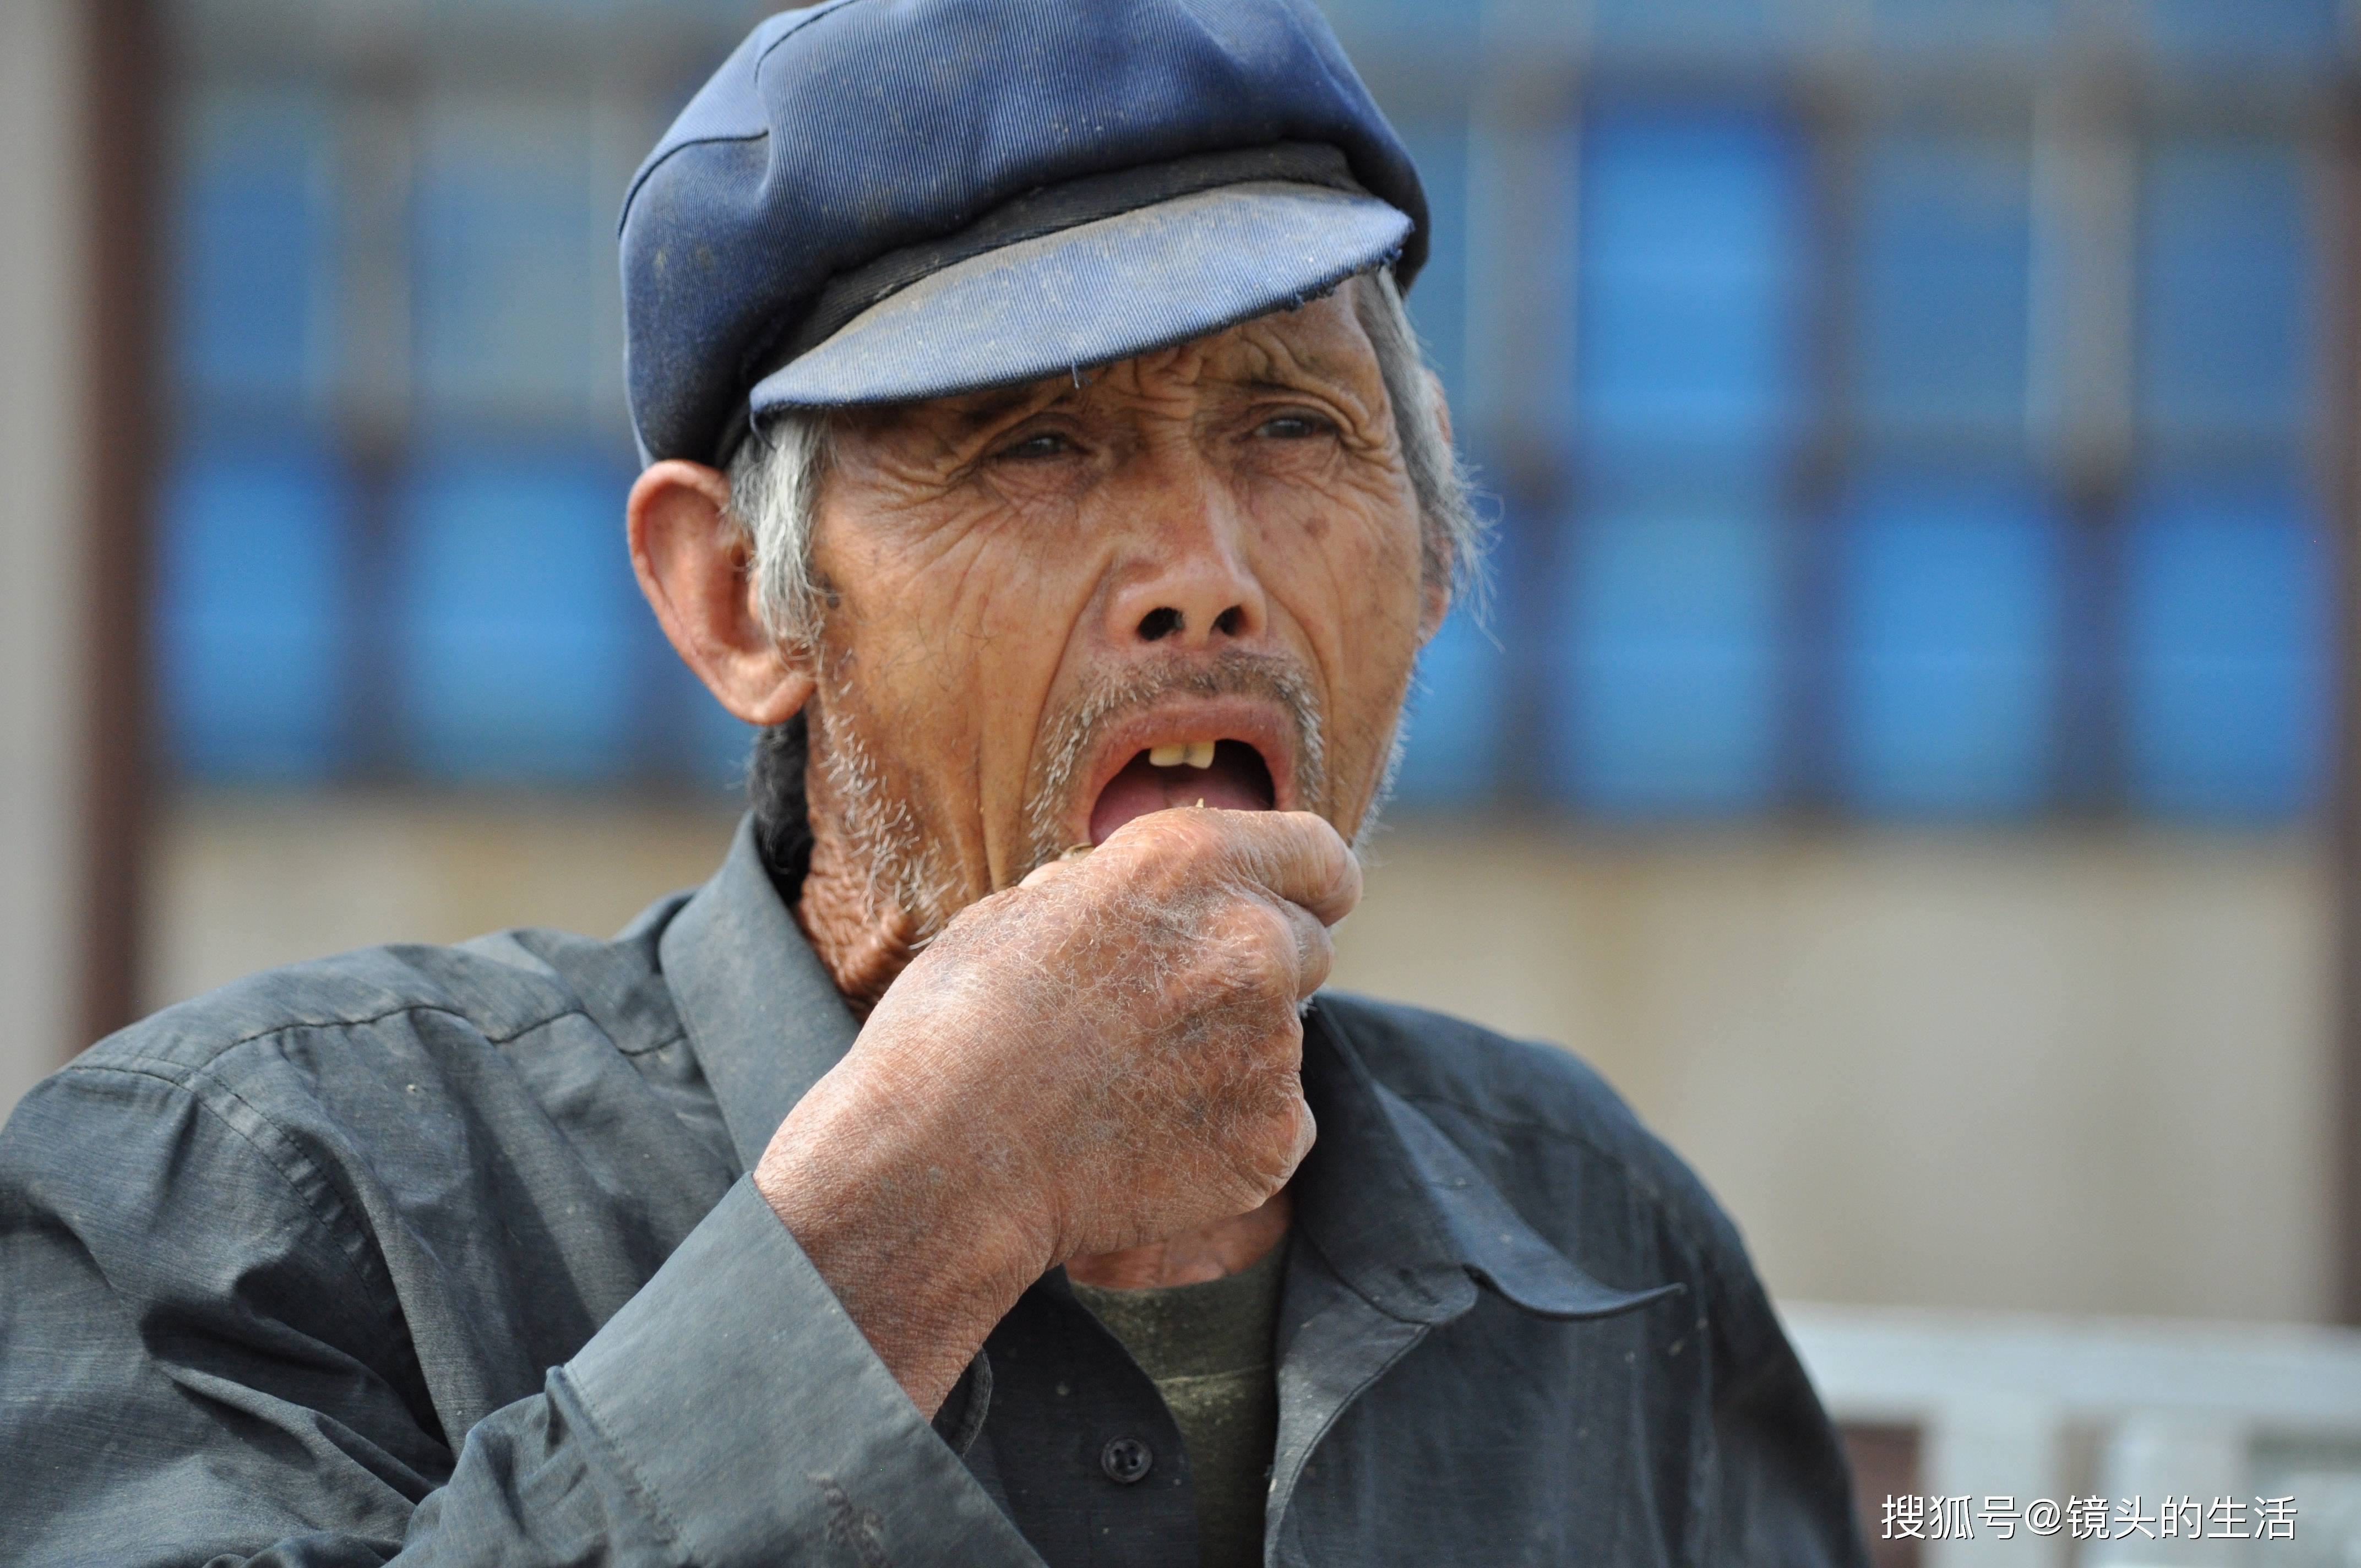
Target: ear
[{"x": 697, "y": 572}]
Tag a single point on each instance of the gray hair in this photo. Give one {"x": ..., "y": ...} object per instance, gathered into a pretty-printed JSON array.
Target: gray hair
[{"x": 775, "y": 478}]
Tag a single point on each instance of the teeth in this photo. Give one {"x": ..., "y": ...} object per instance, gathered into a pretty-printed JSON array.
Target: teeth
[{"x": 1196, "y": 753}]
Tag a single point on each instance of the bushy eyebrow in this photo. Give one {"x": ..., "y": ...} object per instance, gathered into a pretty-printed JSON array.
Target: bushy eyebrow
[
  {"x": 990, "y": 407},
  {"x": 1313, "y": 380},
  {"x": 1265, "y": 384}
]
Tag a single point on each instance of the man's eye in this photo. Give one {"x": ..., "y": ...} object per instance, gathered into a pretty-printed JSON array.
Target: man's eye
[
  {"x": 1294, "y": 427},
  {"x": 1033, "y": 448}
]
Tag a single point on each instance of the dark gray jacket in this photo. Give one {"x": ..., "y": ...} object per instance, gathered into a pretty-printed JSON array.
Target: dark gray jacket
[{"x": 448, "y": 1253}]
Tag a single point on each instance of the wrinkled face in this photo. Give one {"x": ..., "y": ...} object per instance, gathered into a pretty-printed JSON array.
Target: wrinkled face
[{"x": 1196, "y": 577}]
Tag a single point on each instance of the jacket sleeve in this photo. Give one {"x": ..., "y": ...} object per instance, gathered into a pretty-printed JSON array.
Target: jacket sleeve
[
  {"x": 197, "y": 1368},
  {"x": 1779, "y": 1486}
]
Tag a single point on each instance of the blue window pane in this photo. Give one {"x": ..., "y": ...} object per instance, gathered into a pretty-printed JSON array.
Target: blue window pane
[
  {"x": 1970, "y": 26},
  {"x": 516, "y": 620},
  {"x": 251, "y": 568},
  {"x": 2226, "y": 320},
  {"x": 2211, "y": 32},
  {"x": 1944, "y": 268},
  {"x": 1691, "y": 257},
  {"x": 507, "y": 238},
  {"x": 255, "y": 231},
  {"x": 1949, "y": 662},
  {"x": 1438, "y": 300},
  {"x": 1667, "y": 681},
  {"x": 2227, "y": 651},
  {"x": 1458, "y": 704},
  {"x": 1682, "y": 27}
]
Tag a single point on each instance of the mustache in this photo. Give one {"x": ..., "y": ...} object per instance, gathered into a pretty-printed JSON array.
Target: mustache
[{"x": 1069, "y": 735}]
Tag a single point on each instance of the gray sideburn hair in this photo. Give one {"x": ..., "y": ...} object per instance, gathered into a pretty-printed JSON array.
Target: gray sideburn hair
[{"x": 775, "y": 478}]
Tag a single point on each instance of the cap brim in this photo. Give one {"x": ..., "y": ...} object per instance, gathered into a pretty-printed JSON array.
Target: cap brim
[{"x": 1093, "y": 294}]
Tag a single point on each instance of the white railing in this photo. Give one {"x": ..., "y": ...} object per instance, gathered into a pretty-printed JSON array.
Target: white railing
[{"x": 2011, "y": 1410}]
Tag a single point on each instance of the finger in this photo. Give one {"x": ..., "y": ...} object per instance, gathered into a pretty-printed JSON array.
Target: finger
[
  {"x": 1049, "y": 871},
  {"x": 1315, "y": 951},
  {"x": 1297, "y": 857}
]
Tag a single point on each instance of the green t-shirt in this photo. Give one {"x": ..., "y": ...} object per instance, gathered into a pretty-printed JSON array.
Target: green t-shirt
[{"x": 1209, "y": 1349}]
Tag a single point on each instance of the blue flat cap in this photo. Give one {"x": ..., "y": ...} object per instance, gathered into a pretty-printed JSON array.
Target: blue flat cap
[{"x": 879, "y": 201}]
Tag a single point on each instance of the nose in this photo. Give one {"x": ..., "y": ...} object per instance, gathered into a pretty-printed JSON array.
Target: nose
[{"x": 1184, "y": 578}]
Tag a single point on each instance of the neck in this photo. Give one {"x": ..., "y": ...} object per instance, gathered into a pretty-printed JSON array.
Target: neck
[{"x": 863, "y": 937}]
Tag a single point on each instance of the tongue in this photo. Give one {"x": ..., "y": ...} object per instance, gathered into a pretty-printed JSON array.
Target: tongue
[{"x": 1236, "y": 782}]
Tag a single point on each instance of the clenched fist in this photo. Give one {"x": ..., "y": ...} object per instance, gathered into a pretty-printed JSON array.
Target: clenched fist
[{"x": 1105, "y": 1057}]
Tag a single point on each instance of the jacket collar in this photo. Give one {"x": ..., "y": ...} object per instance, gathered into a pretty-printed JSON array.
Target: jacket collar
[
  {"x": 1406, "y": 1221},
  {"x": 762, "y": 1014}
]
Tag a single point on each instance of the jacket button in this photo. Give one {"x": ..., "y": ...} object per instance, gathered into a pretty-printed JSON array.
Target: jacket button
[{"x": 1126, "y": 1460}]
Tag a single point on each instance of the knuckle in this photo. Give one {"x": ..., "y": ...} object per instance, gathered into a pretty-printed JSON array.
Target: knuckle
[
  {"x": 1263, "y": 954},
  {"x": 1173, "y": 846},
  {"x": 1272, "y": 930},
  {"x": 1205, "y": 838},
  {"x": 1187, "y": 830}
]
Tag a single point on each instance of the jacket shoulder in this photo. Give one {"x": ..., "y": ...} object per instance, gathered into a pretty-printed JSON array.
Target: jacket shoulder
[
  {"x": 490, "y": 991},
  {"x": 1433, "y": 1059}
]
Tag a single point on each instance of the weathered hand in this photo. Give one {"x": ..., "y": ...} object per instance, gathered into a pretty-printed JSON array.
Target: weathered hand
[{"x": 1102, "y": 1058}]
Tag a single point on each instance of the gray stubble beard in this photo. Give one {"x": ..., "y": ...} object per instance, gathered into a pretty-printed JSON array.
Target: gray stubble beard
[{"x": 906, "y": 871}]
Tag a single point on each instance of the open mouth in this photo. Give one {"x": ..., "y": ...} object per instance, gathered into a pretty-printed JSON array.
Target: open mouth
[{"x": 1227, "y": 774}]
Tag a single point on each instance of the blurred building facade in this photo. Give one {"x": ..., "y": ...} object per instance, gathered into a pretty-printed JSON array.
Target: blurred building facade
[{"x": 1900, "y": 746}]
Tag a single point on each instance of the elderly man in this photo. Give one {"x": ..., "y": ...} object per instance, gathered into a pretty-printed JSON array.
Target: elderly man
[{"x": 968, "y": 1173}]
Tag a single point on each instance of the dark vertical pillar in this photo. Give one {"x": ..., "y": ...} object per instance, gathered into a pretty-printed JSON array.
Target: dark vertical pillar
[
  {"x": 2341, "y": 485},
  {"x": 124, "y": 139},
  {"x": 379, "y": 91},
  {"x": 1833, "y": 121}
]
